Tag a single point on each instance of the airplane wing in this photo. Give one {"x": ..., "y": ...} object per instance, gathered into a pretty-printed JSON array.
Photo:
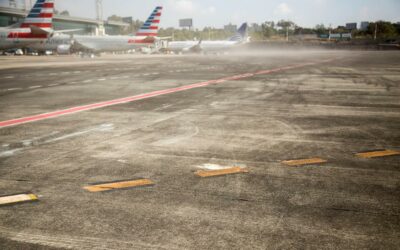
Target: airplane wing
[
  {"x": 66, "y": 31},
  {"x": 84, "y": 44},
  {"x": 39, "y": 31},
  {"x": 196, "y": 48},
  {"x": 149, "y": 39},
  {"x": 164, "y": 38}
]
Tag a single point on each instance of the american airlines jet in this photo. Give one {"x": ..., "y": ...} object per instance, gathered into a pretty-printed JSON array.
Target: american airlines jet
[
  {"x": 36, "y": 28},
  {"x": 147, "y": 35},
  {"x": 240, "y": 37}
]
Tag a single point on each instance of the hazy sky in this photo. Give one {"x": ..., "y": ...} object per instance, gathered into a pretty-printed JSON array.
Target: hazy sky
[{"x": 306, "y": 13}]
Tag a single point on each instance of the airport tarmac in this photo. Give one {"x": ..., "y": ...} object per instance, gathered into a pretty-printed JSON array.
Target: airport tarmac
[{"x": 67, "y": 123}]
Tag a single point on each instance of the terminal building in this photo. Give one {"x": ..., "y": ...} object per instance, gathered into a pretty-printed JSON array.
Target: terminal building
[
  {"x": 351, "y": 26},
  {"x": 13, "y": 14},
  {"x": 364, "y": 26}
]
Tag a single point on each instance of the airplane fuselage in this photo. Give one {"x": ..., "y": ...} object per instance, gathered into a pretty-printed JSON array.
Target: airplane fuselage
[
  {"x": 91, "y": 43},
  {"x": 52, "y": 43},
  {"x": 18, "y": 38},
  {"x": 110, "y": 43},
  {"x": 205, "y": 46}
]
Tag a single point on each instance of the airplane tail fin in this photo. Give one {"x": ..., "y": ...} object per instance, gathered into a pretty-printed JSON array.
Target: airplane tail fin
[
  {"x": 40, "y": 16},
  {"x": 241, "y": 34},
  {"x": 151, "y": 26}
]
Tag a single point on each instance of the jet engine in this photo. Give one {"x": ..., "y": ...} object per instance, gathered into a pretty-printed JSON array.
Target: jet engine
[{"x": 64, "y": 49}]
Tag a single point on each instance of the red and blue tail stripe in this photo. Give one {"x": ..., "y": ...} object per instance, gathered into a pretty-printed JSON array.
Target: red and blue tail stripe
[
  {"x": 41, "y": 15},
  {"x": 241, "y": 34},
  {"x": 151, "y": 26}
]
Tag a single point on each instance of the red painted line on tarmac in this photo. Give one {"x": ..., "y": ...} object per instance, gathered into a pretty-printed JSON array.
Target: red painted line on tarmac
[{"x": 77, "y": 109}]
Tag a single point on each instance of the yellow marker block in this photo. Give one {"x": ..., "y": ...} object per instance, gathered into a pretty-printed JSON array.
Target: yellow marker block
[
  {"x": 211, "y": 173},
  {"x": 118, "y": 185},
  {"x": 381, "y": 153},
  {"x": 19, "y": 198},
  {"x": 304, "y": 162}
]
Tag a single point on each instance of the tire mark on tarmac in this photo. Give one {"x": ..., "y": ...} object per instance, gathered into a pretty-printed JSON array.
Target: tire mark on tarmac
[
  {"x": 76, "y": 242},
  {"x": 73, "y": 110},
  {"x": 25, "y": 144}
]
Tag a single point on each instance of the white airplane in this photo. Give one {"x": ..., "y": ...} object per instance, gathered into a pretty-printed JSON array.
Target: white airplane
[
  {"x": 37, "y": 27},
  {"x": 146, "y": 36},
  {"x": 64, "y": 44},
  {"x": 240, "y": 37},
  {"x": 60, "y": 43}
]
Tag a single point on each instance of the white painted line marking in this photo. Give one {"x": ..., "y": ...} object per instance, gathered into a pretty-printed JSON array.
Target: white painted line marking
[
  {"x": 12, "y": 89},
  {"x": 101, "y": 79},
  {"x": 163, "y": 107},
  {"x": 9, "y": 153},
  {"x": 9, "y": 77},
  {"x": 54, "y": 84},
  {"x": 86, "y": 81},
  {"x": 102, "y": 128},
  {"x": 35, "y": 87}
]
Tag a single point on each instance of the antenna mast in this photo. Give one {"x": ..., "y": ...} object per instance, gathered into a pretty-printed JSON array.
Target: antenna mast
[{"x": 99, "y": 10}]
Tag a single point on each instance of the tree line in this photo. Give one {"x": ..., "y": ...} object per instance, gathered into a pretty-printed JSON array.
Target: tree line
[{"x": 269, "y": 30}]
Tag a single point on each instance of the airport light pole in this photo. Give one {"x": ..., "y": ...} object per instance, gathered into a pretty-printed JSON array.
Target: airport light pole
[
  {"x": 287, "y": 34},
  {"x": 99, "y": 10},
  {"x": 99, "y": 16}
]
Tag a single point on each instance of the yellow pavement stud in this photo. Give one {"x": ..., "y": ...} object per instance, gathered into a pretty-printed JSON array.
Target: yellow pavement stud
[
  {"x": 18, "y": 198},
  {"x": 226, "y": 171},
  {"x": 380, "y": 153},
  {"x": 302, "y": 162},
  {"x": 119, "y": 185}
]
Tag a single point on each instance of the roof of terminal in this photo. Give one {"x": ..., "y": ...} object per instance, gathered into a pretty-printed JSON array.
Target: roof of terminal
[{"x": 22, "y": 13}]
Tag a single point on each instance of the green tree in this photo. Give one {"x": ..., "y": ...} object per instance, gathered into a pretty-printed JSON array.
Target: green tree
[
  {"x": 383, "y": 29},
  {"x": 286, "y": 26},
  {"x": 320, "y": 29},
  {"x": 268, "y": 29},
  {"x": 114, "y": 18},
  {"x": 397, "y": 26},
  {"x": 135, "y": 26}
]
